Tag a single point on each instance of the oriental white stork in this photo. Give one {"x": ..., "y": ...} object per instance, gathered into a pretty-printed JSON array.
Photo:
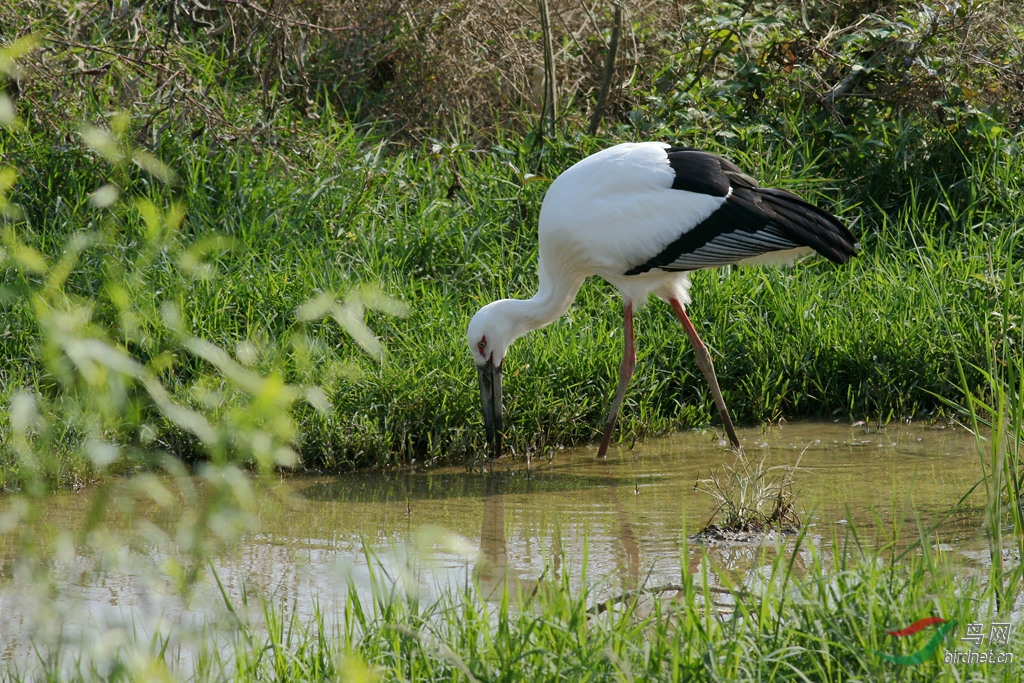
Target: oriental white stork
[{"x": 642, "y": 216}]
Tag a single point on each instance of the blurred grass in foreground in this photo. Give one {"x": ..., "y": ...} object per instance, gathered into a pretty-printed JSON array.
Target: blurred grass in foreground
[{"x": 807, "y": 612}]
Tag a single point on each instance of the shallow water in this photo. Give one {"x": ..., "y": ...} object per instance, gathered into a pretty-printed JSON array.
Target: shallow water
[{"x": 428, "y": 531}]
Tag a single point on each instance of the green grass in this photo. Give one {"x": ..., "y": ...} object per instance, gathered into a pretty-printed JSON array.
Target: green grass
[
  {"x": 265, "y": 215},
  {"x": 258, "y": 239}
]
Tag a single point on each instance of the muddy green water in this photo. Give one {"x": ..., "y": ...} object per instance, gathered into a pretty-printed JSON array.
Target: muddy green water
[{"x": 428, "y": 531}]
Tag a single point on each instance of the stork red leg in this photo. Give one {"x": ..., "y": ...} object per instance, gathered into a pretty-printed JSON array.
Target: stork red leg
[
  {"x": 625, "y": 374},
  {"x": 708, "y": 368}
]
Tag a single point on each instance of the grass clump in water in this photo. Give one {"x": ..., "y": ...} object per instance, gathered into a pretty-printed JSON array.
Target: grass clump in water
[{"x": 750, "y": 498}]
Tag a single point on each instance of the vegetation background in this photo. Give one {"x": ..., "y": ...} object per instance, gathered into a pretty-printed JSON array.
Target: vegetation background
[{"x": 201, "y": 192}]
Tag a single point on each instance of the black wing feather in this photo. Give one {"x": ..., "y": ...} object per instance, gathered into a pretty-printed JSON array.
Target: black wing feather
[{"x": 752, "y": 220}]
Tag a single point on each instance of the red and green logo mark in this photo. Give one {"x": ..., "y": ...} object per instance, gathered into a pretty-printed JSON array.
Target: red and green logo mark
[{"x": 929, "y": 648}]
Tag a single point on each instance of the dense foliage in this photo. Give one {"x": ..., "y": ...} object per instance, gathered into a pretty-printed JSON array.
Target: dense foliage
[{"x": 195, "y": 194}]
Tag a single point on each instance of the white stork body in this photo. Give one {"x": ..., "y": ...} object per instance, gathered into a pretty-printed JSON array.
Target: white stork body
[{"x": 641, "y": 216}]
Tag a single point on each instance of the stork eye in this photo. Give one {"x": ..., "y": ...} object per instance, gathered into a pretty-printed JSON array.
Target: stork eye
[{"x": 482, "y": 345}]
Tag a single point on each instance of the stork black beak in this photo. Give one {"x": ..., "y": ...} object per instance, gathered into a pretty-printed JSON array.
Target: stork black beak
[{"x": 490, "y": 400}]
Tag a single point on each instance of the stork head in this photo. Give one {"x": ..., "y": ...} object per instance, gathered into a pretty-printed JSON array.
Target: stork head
[{"x": 490, "y": 333}]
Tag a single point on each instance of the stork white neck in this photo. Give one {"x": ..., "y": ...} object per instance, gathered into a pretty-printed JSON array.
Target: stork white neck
[{"x": 501, "y": 322}]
